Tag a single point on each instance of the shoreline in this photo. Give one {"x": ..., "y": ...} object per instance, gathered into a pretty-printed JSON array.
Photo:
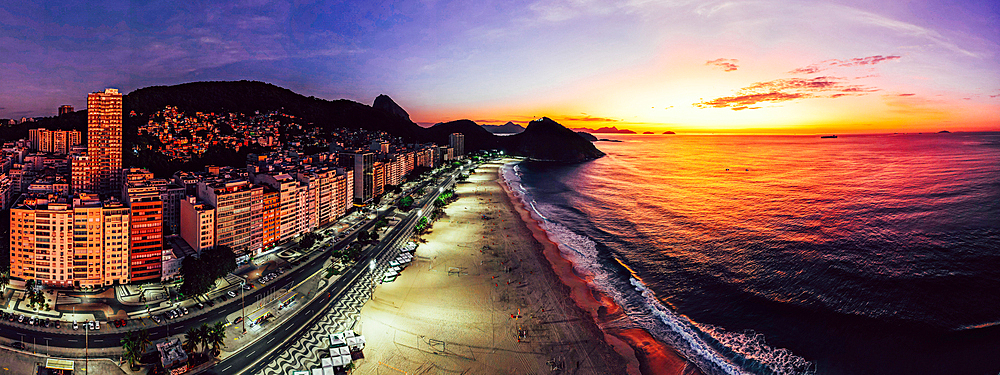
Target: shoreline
[
  {"x": 645, "y": 355},
  {"x": 481, "y": 298}
]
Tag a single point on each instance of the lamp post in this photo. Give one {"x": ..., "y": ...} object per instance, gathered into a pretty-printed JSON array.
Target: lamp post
[{"x": 243, "y": 308}]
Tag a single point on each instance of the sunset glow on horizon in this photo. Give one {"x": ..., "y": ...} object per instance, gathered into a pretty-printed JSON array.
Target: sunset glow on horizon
[{"x": 684, "y": 66}]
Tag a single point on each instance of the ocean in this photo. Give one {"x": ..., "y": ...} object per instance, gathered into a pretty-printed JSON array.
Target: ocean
[{"x": 866, "y": 254}]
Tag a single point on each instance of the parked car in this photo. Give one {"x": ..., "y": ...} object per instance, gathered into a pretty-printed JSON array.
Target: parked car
[
  {"x": 185, "y": 310},
  {"x": 76, "y": 326},
  {"x": 201, "y": 306},
  {"x": 238, "y": 320},
  {"x": 58, "y": 324},
  {"x": 231, "y": 293},
  {"x": 210, "y": 303},
  {"x": 155, "y": 319}
]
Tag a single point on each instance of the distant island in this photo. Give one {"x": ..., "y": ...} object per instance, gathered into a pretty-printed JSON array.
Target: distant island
[
  {"x": 669, "y": 132},
  {"x": 648, "y": 133},
  {"x": 609, "y": 130},
  {"x": 944, "y": 132}
]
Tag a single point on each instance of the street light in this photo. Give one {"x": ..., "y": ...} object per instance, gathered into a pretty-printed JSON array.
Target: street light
[{"x": 243, "y": 308}]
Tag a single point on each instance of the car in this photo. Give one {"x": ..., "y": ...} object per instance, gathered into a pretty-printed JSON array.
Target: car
[
  {"x": 155, "y": 319},
  {"x": 33, "y": 321},
  {"x": 97, "y": 326},
  {"x": 246, "y": 287},
  {"x": 76, "y": 325},
  {"x": 58, "y": 324},
  {"x": 238, "y": 320},
  {"x": 210, "y": 303},
  {"x": 231, "y": 293},
  {"x": 185, "y": 310},
  {"x": 201, "y": 306},
  {"x": 48, "y": 323}
]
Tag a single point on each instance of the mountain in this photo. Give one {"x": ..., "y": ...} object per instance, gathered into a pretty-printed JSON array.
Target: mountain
[
  {"x": 508, "y": 128},
  {"x": 547, "y": 140},
  {"x": 252, "y": 96},
  {"x": 587, "y": 136},
  {"x": 385, "y": 103},
  {"x": 249, "y": 97},
  {"x": 613, "y": 130}
]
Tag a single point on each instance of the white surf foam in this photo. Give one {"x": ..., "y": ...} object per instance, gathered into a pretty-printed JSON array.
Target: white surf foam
[{"x": 675, "y": 329}]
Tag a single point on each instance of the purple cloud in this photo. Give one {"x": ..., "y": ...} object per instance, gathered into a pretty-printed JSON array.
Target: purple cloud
[
  {"x": 786, "y": 89},
  {"x": 727, "y": 65},
  {"x": 858, "y": 61}
]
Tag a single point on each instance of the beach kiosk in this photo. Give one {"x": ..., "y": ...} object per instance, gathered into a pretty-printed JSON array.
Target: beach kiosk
[{"x": 259, "y": 317}]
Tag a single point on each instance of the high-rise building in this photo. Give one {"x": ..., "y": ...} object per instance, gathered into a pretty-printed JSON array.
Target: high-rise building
[
  {"x": 104, "y": 139},
  {"x": 81, "y": 175},
  {"x": 57, "y": 141},
  {"x": 238, "y": 205},
  {"x": 271, "y": 217},
  {"x": 457, "y": 142},
  {"x": 288, "y": 198},
  {"x": 363, "y": 163},
  {"x": 197, "y": 223},
  {"x": 64, "y": 109},
  {"x": 146, "y": 232},
  {"x": 78, "y": 243}
]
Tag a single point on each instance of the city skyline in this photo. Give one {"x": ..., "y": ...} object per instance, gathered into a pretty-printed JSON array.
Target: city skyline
[{"x": 773, "y": 66}]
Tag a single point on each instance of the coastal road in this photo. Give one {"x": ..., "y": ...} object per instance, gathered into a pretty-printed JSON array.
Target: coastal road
[
  {"x": 252, "y": 359},
  {"x": 37, "y": 339}
]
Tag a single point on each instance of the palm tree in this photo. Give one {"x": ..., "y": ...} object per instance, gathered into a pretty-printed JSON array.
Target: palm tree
[
  {"x": 142, "y": 340},
  {"x": 191, "y": 340},
  {"x": 217, "y": 338},
  {"x": 130, "y": 349},
  {"x": 204, "y": 336}
]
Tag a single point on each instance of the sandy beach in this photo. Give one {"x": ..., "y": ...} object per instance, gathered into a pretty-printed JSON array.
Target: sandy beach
[{"x": 488, "y": 293}]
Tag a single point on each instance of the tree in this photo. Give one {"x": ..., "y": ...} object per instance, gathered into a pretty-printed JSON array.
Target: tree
[
  {"x": 217, "y": 338},
  {"x": 131, "y": 349},
  {"x": 204, "y": 336},
  {"x": 142, "y": 338},
  {"x": 191, "y": 340},
  {"x": 200, "y": 274},
  {"x": 406, "y": 202}
]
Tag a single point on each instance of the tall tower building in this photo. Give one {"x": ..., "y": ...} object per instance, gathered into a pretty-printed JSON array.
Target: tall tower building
[
  {"x": 457, "y": 142},
  {"x": 64, "y": 109},
  {"x": 104, "y": 139}
]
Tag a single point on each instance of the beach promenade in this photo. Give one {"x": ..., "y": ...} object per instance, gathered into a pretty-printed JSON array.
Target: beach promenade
[{"x": 480, "y": 298}]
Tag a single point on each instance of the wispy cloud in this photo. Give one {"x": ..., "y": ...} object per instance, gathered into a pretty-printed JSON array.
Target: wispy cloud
[
  {"x": 786, "y": 89},
  {"x": 858, "y": 61},
  {"x": 589, "y": 119},
  {"x": 727, "y": 65}
]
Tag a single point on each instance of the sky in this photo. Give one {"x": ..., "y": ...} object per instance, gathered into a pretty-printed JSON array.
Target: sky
[{"x": 764, "y": 66}]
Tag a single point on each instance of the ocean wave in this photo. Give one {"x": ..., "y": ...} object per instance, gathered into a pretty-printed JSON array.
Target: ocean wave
[{"x": 706, "y": 346}]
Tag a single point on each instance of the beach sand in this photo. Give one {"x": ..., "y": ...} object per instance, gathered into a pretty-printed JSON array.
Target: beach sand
[{"x": 487, "y": 293}]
